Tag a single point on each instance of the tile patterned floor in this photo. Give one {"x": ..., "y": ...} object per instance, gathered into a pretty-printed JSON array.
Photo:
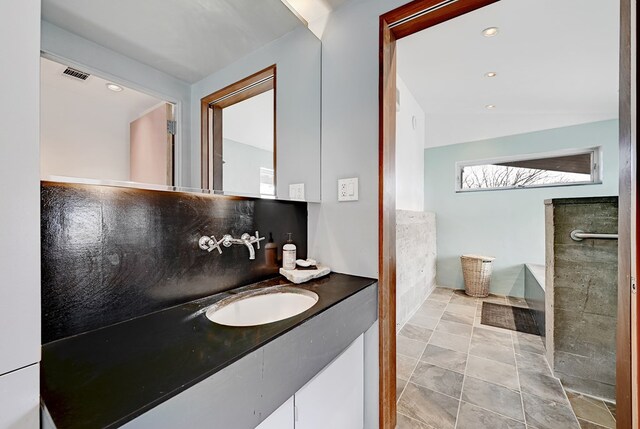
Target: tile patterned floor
[
  {"x": 454, "y": 373},
  {"x": 593, "y": 413}
]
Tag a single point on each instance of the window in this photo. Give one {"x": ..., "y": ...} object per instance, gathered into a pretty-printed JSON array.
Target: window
[{"x": 577, "y": 167}]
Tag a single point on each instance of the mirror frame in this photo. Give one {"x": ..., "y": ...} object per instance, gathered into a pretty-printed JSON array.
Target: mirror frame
[{"x": 211, "y": 136}]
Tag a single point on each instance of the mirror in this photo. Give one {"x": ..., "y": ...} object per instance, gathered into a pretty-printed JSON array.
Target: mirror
[
  {"x": 161, "y": 128},
  {"x": 239, "y": 148},
  {"x": 248, "y": 149},
  {"x": 95, "y": 129}
]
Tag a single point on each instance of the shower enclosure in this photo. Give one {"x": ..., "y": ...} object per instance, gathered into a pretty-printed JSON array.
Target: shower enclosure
[{"x": 581, "y": 293}]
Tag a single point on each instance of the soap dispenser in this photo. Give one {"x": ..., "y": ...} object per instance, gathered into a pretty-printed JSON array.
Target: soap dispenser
[
  {"x": 289, "y": 255},
  {"x": 271, "y": 252}
]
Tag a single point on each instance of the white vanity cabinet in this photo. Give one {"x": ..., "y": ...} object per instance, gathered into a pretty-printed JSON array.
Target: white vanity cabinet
[
  {"x": 334, "y": 398},
  {"x": 20, "y": 218},
  {"x": 320, "y": 364},
  {"x": 20, "y": 399},
  {"x": 282, "y": 418}
]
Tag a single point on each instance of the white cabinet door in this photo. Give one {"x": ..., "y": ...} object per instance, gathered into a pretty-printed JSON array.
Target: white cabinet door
[
  {"x": 20, "y": 201},
  {"x": 20, "y": 399},
  {"x": 282, "y": 418},
  {"x": 335, "y": 397}
]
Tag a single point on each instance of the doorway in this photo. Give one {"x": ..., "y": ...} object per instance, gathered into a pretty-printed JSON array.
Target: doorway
[
  {"x": 415, "y": 17},
  {"x": 236, "y": 158}
]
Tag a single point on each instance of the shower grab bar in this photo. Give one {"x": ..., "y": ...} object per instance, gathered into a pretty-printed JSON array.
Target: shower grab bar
[{"x": 579, "y": 235}]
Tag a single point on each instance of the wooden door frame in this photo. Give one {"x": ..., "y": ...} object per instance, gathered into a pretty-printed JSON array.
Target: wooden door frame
[
  {"x": 407, "y": 20},
  {"x": 627, "y": 354},
  {"x": 259, "y": 82}
]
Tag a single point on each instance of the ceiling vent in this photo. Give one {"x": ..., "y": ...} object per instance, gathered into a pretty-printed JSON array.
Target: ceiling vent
[{"x": 77, "y": 74}]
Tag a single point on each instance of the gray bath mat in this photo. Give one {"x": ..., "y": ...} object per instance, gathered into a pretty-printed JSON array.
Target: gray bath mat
[{"x": 508, "y": 317}]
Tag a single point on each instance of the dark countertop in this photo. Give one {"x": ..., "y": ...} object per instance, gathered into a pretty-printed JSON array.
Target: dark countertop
[{"x": 107, "y": 377}]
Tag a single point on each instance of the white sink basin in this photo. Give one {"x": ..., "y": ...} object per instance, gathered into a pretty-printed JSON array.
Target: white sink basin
[{"x": 259, "y": 307}]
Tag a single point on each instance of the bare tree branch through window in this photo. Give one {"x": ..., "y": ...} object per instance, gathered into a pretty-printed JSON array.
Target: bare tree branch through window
[{"x": 558, "y": 170}]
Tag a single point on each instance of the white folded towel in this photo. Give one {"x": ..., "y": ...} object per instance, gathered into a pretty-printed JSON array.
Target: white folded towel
[{"x": 301, "y": 276}]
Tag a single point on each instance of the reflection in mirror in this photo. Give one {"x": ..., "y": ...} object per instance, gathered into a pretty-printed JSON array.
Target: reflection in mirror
[
  {"x": 297, "y": 93},
  {"x": 240, "y": 130},
  {"x": 96, "y": 129},
  {"x": 180, "y": 52},
  {"x": 248, "y": 152}
]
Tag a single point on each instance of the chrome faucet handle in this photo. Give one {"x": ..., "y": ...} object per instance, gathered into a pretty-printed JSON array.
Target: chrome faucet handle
[
  {"x": 256, "y": 239},
  {"x": 210, "y": 243}
]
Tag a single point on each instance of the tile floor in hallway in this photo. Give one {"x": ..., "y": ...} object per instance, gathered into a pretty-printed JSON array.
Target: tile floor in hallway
[{"x": 454, "y": 372}]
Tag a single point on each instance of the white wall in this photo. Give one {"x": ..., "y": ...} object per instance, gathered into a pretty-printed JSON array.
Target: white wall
[
  {"x": 19, "y": 214},
  {"x": 409, "y": 151},
  {"x": 83, "y": 137},
  {"x": 297, "y": 59},
  {"x": 506, "y": 224},
  {"x": 345, "y": 235},
  {"x": 247, "y": 129},
  {"x": 241, "y": 168},
  {"x": 251, "y": 121},
  {"x": 96, "y": 59},
  {"x": 88, "y": 143},
  {"x": 84, "y": 127}
]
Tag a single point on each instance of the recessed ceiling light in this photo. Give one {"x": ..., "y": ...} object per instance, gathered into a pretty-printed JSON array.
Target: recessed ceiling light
[
  {"x": 490, "y": 106},
  {"x": 490, "y": 32},
  {"x": 115, "y": 88},
  {"x": 491, "y": 74}
]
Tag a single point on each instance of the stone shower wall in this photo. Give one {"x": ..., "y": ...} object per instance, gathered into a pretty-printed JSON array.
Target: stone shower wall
[
  {"x": 534, "y": 294},
  {"x": 581, "y": 294},
  {"x": 415, "y": 261}
]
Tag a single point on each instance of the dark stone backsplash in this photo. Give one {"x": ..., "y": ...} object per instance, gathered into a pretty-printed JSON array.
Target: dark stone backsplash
[{"x": 110, "y": 254}]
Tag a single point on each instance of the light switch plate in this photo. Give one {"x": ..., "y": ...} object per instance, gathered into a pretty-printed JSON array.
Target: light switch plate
[
  {"x": 296, "y": 191},
  {"x": 348, "y": 189}
]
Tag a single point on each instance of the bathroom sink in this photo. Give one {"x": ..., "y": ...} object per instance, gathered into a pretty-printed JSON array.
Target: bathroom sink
[{"x": 259, "y": 307}]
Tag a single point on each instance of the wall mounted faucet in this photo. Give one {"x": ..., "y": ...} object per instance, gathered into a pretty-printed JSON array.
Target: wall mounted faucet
[{"x": 210, "y": 243}]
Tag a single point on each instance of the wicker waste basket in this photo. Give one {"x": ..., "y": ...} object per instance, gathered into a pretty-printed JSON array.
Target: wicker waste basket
[{"x": 476, "y": 271}]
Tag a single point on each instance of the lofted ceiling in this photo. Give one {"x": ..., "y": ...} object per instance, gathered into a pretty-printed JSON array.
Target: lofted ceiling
[
  {"x": 556, "y": 63},
  {"x": 188, "y": 39}
]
